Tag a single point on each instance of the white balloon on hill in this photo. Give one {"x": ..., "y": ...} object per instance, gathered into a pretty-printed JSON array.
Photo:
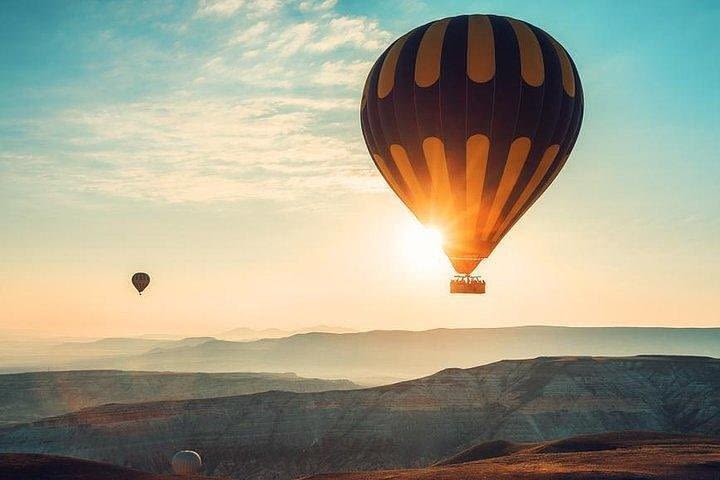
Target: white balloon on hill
[{"x": 186, "y": 462}]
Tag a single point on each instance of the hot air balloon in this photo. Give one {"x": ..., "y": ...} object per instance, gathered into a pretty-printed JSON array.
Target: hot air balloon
[
  {"x": 140, "y": 281},
  {"x": 469, "y": 119},
  {"x": 186, "y": 462}
]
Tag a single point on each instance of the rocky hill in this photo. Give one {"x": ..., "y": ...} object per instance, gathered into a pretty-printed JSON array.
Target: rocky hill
[
  {"x": 18, "y": 466},
  {"x": 282, "y": 435},
  {"x": 623, "y": 455},
  {"x": 30, "y": 396}
]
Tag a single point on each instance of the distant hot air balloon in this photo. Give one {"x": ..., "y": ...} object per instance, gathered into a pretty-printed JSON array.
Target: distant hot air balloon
[
  {"x": 140, "y": 281},
  {"x": 469, "y": 119},
  {"x": 186, "y": 462}
]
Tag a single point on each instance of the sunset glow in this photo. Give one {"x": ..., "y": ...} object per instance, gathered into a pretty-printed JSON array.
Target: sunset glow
[{"x": 422, "y": 248}]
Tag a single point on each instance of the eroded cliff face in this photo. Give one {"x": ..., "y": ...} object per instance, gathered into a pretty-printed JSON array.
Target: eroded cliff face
[
  {"x": 26, "y": 397},
  {"x": 281, "y": 435}
]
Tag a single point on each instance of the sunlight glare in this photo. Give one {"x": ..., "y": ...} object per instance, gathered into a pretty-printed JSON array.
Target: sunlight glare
[{"x": 422, "y": 248}]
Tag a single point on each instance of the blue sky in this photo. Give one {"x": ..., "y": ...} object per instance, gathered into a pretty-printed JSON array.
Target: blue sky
[{"x": 218, "y": 145}]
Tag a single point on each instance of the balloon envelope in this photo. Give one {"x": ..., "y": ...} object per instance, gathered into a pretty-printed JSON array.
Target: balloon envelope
[
  {"x": 140, "y": 281},
  {"x": 469, "y": 119},
  {"x": 186, "y": 462}
]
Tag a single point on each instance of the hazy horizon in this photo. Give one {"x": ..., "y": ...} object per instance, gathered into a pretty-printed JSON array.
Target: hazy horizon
[{"x": 19, "y": 334}]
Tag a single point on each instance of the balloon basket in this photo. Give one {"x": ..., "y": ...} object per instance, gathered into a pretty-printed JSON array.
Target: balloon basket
[{"x": 467, "y": 284}]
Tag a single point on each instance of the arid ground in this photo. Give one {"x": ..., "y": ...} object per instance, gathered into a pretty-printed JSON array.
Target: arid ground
[{"x": 615, "y": 456}]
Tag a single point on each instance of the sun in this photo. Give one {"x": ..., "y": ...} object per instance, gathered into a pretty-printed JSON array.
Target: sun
[{"x": 422, "y": 247}]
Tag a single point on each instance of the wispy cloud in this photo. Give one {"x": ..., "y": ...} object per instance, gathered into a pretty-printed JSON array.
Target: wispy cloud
[
  {"x": 293, "y": 39},
  {"x": 179, "y": 151},
  {"x": 358, "y": 32},
  {"x": 264, "y": 108},
  {"x": 316, "y": 5},
  {"x": 251, "y": 33},
  {"x": 227, "y": 8},
  {"x": 341, "y": 72}
]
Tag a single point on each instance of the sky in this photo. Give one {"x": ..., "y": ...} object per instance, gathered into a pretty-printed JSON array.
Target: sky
[{"x": 217, "y": 146}]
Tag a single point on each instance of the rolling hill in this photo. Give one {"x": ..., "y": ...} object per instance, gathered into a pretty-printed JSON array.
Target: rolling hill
[
  {"x": 282, "y": 435},
  {"x": 18, "y": 466},
  {"x": 30, "y": 396},
  {"x": 616, "y": 456}
]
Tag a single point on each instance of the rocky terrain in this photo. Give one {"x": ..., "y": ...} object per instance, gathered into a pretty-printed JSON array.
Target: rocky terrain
[
  {"x": 17, "y": 466},
  {"x": 30, "y": 396},
  {"x": 616, "y": 456},
  {"x": 282, "y": 435}
]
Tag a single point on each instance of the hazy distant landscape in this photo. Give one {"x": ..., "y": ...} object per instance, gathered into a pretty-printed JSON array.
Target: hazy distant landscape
[
  {"x": 283, "y": 435},
  {"x": 368, "y": 358}
]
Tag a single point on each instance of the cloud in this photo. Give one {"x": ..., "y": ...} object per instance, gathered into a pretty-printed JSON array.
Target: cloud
[
  {"x": 306, "y": 43},
  {"x": 324, "y": 35},
  {"x": 316, "y": 5},
  {"x": 251, "y": 33},
  {"x": 202, "y": 151},
  {"x": 228, "y": 8},
  {"x": 258, "y": 71},
  {"x": 220, "y": 8},
  {"x": 359, "y": 32},
  {"x": 293, "y": 39},
  {"x": 249, "y": 108},
  {"x": 344, "y": 73}
]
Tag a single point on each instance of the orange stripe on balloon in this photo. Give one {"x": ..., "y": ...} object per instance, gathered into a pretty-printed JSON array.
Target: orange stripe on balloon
[
  {"x": 480, "y": 49},
  {"x": 434, "y": 151},
  {"x": 568, "y": 76},
  {"x": 386, "y": 80},
  {"x": 402, "y": 162},
  {"x": 427, "y": 64},
  {"x": 516, "y": 160},
  {"x": 476, "y": 156},
  {"x": 385, "y": 171},
  {"x": 532, "y": 66},
  {"x": 542, "y": 168}
]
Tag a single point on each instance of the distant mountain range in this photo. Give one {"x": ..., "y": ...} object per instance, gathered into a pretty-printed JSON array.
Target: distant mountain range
[
  {"x": 124, "y": 346},
  {"x": 282, "y": 435},
  {"x": 381, "y": 356},
  {"x": 246, "y": 334},
  {"x": 21, "y": 352},
  {"x": 45, "y": 354},
  {"x": 30, "y": 396}
]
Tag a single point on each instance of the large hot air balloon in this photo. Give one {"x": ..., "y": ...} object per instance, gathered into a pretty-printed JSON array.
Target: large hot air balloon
[
  {"x": 186, "y": 462},
  {"x": 140, "y": 281},
  {"x": 469, "y": 119}
]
